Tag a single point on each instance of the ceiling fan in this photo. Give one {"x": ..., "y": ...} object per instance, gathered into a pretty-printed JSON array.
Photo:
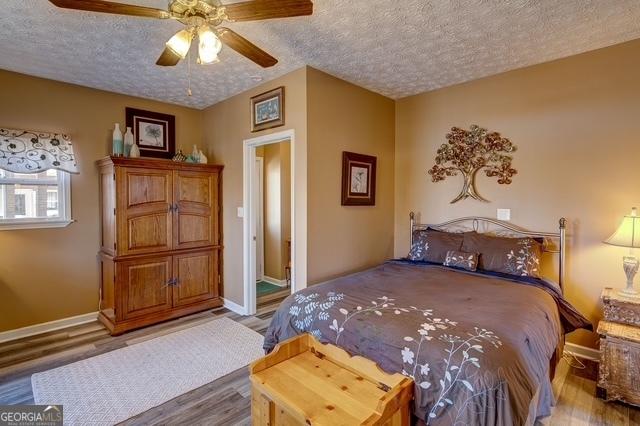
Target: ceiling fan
[{"x": 202, "y": 19}]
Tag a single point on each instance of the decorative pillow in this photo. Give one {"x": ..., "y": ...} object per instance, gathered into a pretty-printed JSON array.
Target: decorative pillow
[
  {"x": 419, "y": 246},
  {"x": 432, "y": 245},
  {"x": 515, "y": 256},
  {"x": 462, "y": 260}
]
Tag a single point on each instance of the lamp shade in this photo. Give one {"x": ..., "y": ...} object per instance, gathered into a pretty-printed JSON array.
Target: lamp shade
[{"x": 628, "y": 233}]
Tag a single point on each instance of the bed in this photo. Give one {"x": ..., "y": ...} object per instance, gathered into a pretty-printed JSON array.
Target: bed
[{"x": 481, "y": 346}]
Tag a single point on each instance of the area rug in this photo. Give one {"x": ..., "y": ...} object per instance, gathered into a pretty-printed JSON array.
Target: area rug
[
  {"x": 264, "y": 287},
  {"x": 115, "y": 386}
]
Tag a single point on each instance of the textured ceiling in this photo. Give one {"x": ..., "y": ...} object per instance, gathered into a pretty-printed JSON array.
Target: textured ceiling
[{"x": 393, "y": 47}]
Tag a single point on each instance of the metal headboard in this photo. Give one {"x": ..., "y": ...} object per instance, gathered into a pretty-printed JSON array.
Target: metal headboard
[{"x": 479, "y": 223}]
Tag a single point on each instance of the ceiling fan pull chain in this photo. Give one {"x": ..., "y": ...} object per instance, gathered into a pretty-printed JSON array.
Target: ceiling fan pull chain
[{"x": 189, "y": 73}]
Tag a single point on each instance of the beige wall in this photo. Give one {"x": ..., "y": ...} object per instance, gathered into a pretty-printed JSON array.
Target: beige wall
[
  {"x": 576, "y": 124},
  {"x": 345, "y": 117},
  {"x": 64, "y": 282},
  {"x": 277, "y": 207},
  {"x": 226, "y": 125},
  {"x": 49, "y": 274},
  {"x": 329, "y": 116}
]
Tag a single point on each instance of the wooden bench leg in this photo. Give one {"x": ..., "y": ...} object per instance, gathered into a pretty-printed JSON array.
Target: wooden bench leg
[
  {"x": 262, "y": 409},
  {"x": 400, "y": 418}
]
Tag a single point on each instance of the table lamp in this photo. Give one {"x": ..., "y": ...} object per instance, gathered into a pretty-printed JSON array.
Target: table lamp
[{"x": 628, "y": 235}]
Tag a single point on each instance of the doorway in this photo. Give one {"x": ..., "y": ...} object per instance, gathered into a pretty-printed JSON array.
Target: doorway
[
  {"x": 271, "y": 244},
  {"x": 272, "y": 198}
]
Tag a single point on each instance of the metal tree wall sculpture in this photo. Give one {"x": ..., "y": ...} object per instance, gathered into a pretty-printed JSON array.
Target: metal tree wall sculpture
[{"x": 468, "y": 151}]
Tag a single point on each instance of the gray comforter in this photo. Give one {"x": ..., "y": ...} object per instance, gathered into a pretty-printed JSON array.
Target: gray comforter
[{"x": 477, "y": 346}]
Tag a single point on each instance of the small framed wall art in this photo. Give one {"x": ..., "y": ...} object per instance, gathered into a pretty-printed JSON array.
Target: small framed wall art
[
  {"x": 358, "y": 179},
  {"x": 267, "y": 110},
  {"x": 154, "y": 133}
]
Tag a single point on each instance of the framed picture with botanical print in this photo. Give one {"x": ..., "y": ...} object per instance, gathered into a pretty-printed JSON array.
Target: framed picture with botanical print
[
  {"x": 155, "y": 133},
  {"x": 358, "y": 179},
  {"x": 267, "y": 110}
]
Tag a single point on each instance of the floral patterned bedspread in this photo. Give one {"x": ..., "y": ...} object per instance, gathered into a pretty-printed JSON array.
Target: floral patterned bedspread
[{"x": 477, "y": 347}]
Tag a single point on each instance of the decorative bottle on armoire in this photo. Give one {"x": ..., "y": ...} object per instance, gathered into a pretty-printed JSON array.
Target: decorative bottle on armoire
[
  {"x": 135, "y": 151},
  {"x": 128, "y": 142},
  {"x": 118, "y": 146}
]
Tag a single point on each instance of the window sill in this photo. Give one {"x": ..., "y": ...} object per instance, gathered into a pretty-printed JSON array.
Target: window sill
[{"x": 8, "y": 226}]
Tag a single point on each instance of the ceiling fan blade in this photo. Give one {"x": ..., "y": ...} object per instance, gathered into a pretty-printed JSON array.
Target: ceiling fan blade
[
  {"x": 110, "y": 7},
  {"x": 246, "y": 48},
  {"x": 267, "y": 9},
  {"x": 168, "y": 58}
]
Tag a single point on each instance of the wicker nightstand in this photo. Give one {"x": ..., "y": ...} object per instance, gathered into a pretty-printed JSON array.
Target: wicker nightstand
[{"x": 619, "y": 348}]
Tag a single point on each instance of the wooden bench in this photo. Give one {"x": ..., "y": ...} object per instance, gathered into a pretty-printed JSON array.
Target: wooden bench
[{"x": 305, "y": 382}]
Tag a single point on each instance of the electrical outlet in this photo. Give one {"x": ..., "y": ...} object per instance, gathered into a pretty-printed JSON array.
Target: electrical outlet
[
  {"x": 504, "y": 214},
  {"x": 240, "y": 211}
]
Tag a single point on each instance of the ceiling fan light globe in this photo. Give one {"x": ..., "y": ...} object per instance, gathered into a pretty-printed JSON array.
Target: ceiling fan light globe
[
  {"x": 180, "y": 43},
  {"x": 214, "y": 61},
  {"x": 209, "y": 45}
]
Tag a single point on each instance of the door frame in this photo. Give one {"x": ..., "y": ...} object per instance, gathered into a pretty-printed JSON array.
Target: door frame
[
  {"x": 298, "y": 214},
  {"x": 260, "y": 218}
]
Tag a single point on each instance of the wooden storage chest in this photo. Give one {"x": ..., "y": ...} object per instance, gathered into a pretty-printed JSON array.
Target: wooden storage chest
[{"x": 303, "y": 382}]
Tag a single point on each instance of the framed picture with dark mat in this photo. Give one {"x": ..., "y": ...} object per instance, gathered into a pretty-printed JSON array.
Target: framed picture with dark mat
[
  {"x": 358, "y": 179},
  {"x": 154, "y": 132}
]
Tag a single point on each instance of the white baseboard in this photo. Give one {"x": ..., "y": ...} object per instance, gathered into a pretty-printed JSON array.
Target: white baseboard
[
  {"x": 582, "y": 351},
  {"x": 233, "y": 306},
  {"x": 274, "y": 281},
  {"x": 45, "y": 327}
]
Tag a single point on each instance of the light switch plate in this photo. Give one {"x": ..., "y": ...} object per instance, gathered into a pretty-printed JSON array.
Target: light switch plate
[
  {"x": 504, "y": 214},
  {"x": 240, "y": 211}
]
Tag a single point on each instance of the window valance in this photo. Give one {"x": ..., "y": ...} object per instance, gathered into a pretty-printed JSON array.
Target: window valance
[{"x": 24, "y": 151}]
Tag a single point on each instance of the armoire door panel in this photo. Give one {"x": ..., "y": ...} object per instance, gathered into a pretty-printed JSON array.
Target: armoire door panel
[
  {"x": 196, "y": 216},
  {"x": 197, "y": 277},
  {"x": 145, "y": 222},
  {"x": 194, "y": 188},
  {"x": 148, "y": 232},
  {"x": 147, "y": 188},
  {"x": 145, "y": 286},
  {"x": 194, "y": 228}
]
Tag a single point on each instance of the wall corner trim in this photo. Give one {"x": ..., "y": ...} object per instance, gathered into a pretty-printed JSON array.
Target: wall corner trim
[
  {"x": 45, "y": 327},
  {"x": 233, "y": 306},
  {"x": 582, "y": 351}
]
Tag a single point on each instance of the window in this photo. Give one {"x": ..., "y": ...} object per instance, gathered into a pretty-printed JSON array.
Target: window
[
  {"x": 52, "y": 202},
  {"x": 34, "y": 200},
  {"x": 21, "y": 208}
]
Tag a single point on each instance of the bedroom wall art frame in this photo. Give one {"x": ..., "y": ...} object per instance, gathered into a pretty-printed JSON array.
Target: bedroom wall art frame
[
  {"x": 267, "y": 110},
  {"x": 153, "y": 132},
  {"x": 468, "y": 151},
  {"x": 358, "y": 179}
]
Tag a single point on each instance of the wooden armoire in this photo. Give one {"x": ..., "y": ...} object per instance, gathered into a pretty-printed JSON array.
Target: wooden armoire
[{"x": 161, "y": 240}]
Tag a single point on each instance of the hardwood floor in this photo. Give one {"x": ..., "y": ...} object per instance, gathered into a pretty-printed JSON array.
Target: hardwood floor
[{"x": 226, "y": 401}]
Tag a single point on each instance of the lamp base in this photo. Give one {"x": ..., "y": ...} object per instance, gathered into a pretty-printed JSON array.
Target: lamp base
[
  {"x": 630, "y": 264},
  {"x": 632, "y": 294}
]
